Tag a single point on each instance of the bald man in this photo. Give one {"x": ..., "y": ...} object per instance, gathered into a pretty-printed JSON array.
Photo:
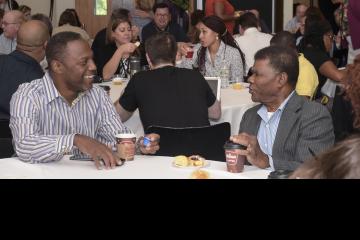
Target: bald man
[
  {"x": 22, "y": 65},
  {"x": 10, "y": 24}
]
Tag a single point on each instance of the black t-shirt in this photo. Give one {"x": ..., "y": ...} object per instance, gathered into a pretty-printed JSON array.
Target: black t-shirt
[
  {"x": 15, "y": 69},
  {"x": 99, "y": 44},
  {"x": 105, "y": 55},
  {"x": 317, "y": 58},
  {"x": 170, "y": 97}
]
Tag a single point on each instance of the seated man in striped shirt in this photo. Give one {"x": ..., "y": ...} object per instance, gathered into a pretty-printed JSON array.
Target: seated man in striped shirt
[{"x": 62, "y": 113}]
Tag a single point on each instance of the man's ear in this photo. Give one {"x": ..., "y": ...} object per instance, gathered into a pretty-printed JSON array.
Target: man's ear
[
  {"x": 149, "y": 61},
  {"x": 57, "y": 67},
  {"x": 283, "y": 78}
]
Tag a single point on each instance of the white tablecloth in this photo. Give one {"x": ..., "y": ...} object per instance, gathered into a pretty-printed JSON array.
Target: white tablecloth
[
  {"x": 143, "y": 167},
  {"x": 234, "y": 104}
]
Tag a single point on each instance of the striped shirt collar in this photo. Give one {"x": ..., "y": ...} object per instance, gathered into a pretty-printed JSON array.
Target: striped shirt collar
[{"x": 52, "y": 93}]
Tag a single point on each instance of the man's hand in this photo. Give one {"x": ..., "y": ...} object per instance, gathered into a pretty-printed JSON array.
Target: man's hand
[
  {"x": 253, "y": 151},
  {"x": 153, "y": 144},
  {"x": 98, "y": 151}
]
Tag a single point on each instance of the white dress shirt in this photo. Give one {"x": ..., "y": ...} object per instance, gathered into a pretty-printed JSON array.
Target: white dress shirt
[{"x": 251, "y": 42}]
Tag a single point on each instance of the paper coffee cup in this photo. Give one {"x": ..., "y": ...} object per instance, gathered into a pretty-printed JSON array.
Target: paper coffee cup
[
  {"x": 235, "y": 163},
  {"x": 126, "y": 146}
]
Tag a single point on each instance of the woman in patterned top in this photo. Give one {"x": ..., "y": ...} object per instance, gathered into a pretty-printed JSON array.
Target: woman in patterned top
[{"x": 217, "y": 50}]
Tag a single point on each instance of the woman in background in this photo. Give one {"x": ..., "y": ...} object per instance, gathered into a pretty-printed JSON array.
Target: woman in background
[
  {"x": 140, "y": 10},
  {"x": 114, "y": 59},
  {"x": 217, "y": 50},
  {"x": 69, "y": 23}
]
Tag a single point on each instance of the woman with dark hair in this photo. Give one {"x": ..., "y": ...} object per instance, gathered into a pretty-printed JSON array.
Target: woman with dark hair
[
  {"x": 114, "y": 59},
  {"x": 316, "y": 45},
  {"x": 68, "y": 22},
  {"x": 77, "y": 22},
  {"x": 217, "y": 51}
]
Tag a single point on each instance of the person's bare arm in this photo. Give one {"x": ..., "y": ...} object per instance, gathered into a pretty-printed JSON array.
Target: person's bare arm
[
  {"x": 220, "y": 12},
  {"x": 97, "y": 151},
  {"x": 215, "y": 111},
  {"x": 329, "y": 70},
  {"x": 124, "y": 114}
]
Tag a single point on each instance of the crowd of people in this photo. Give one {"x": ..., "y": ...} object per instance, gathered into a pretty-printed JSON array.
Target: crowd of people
[{"x": 52, "y": 109}]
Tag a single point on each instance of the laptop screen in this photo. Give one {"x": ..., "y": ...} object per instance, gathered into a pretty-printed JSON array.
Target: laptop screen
[{"x": 215, "y": 85}]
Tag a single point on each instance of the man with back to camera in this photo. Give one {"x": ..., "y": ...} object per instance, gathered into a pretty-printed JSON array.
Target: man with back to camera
[
  {"x": 285, "y": 129},
  {"x": 62, "y": 113},
  {"x": 20, "y": 66},
  {"x": 308, "y": 80},
  {"x": 166, "y": 95}
]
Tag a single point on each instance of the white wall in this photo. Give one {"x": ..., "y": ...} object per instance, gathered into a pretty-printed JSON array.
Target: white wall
[
  {"x": 288, "y": 11},
  {"x": 43, "y": 6}
]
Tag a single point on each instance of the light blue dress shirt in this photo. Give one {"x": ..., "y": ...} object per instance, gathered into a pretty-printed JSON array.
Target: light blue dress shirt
[{"x": 268, "y": 128}]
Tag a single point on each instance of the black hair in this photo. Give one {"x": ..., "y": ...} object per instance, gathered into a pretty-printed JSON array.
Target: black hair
[
  {"x": 284, "y": 39},
  {"x": 248, "y": 20},
  {"x": 161, "y": 48},
  {"x": 160, "y": 5},
  {"x": 282, "y": 59},
  {"x": 314, "y": 34},
  {"x": 56, "y": 47}
]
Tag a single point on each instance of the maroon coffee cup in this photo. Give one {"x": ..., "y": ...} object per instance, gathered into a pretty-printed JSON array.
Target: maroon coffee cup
[
  {"x": 190, "y": 53},
  {"x": 235, "y": 162}
]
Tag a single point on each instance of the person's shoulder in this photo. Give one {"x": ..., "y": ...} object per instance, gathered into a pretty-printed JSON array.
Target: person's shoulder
[
  {"x": 311, "y": 109},
  {"x": 253, "y": 110},
  {"x": 189, "y": 73},
  {"x": 149, "y": 27},
  {"x": 33, "y": 88},
  {"x": 265, "y": 36}
]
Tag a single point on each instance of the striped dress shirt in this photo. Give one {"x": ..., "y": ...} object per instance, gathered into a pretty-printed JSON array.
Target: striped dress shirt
[{"x": 44, "y": 124}]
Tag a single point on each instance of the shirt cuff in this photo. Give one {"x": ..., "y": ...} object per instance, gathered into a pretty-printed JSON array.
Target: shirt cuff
[
  {"x": 65, "y": 144},
  {"x": 271, "y": 163}
]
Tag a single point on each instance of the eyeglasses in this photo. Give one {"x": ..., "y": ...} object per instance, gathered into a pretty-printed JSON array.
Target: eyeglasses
[{"x": 5, "y": 24}]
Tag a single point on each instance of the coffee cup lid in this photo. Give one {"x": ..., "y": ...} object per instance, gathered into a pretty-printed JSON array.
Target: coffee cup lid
[
  {"x": 125, "y": 135},
  {"x": 232, "y": 145}
]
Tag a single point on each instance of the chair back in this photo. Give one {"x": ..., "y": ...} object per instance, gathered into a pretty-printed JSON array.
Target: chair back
[
  {"x": 6, "y": 147},
  {"x": 206, "y": 141}
]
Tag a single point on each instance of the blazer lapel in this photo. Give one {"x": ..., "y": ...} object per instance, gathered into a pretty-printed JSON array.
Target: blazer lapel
[{"x": 287, "y": 121}]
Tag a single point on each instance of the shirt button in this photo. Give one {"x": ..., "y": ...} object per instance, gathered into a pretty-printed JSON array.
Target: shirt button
[{"x": 267, "y": 125}]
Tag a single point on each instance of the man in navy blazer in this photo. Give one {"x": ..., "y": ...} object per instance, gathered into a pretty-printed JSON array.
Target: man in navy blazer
[{"x": 285, "y": 129}]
